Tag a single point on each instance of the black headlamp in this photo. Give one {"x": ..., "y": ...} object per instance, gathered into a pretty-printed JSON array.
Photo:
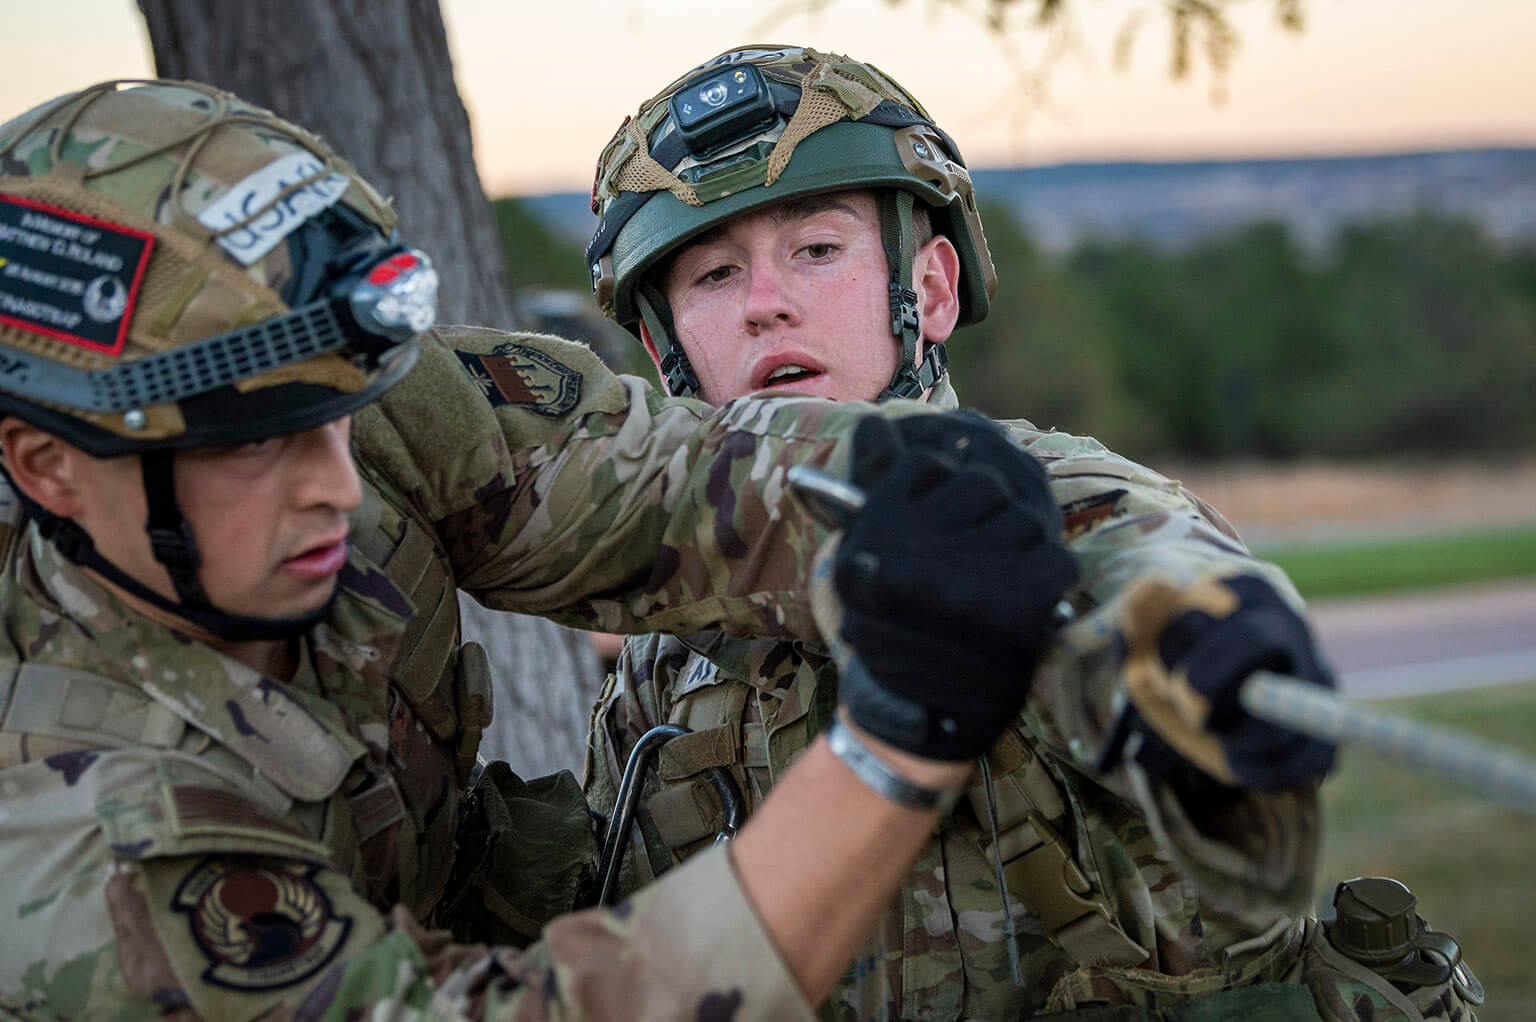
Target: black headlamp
[{"x": 720, "y": 107}]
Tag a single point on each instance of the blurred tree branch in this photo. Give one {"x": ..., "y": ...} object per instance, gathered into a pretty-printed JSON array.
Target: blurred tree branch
[{"x": 1197, "y": 30}]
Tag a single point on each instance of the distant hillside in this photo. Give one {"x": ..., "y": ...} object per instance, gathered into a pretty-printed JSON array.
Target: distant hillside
[{"x": 1173, "y": 204}]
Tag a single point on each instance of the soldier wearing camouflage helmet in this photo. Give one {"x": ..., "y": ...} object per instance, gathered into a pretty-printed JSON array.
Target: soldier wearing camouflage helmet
[
  {"x": 236, "y": 728},
  {"x": 782, "y": 220}
]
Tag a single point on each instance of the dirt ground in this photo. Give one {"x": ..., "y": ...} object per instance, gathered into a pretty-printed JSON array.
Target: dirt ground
[{"x": 1309, "y": 500}]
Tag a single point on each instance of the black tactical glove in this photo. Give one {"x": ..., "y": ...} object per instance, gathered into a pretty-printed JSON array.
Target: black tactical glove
[
  {"x": 948, "y": 579},
  {"x": 1207, "y": 639}
]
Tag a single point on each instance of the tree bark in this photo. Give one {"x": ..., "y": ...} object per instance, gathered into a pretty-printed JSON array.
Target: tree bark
[{"x": 375, "y": 79}]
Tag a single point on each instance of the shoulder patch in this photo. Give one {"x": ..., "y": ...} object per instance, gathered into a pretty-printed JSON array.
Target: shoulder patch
[
  {"x": 517, "y": 374},
  {"x": 261, "y": 924},
  {"x": 1082, "y": 515}
]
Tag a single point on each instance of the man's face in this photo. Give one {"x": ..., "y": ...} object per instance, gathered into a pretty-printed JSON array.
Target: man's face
[
  {"x": 794, "y": 299},
  {"x": 270, "y": 518}
]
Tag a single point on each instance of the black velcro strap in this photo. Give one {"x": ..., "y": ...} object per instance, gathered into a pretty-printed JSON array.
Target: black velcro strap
[
  {"x": 170, "y": 537},
  {"x": 657, "y": 316}
]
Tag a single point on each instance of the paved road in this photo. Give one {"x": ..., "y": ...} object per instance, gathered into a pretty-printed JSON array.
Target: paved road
[{"x": 1451, "y": 639}]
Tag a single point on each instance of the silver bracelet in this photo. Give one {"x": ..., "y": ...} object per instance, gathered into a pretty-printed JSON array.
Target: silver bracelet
[{"x": 881, "y": 779}]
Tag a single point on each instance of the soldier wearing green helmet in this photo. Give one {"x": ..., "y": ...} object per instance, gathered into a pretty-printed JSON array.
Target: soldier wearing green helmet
[
  {"x": 785, "y": 220},
  {"x": 237, "y": 729},
  {"x": 659, "y": 185}
]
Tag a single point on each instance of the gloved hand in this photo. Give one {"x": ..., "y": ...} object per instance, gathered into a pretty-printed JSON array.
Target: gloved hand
[
  {"x": 1189, "y": 651},
  {"x": 948, "y": 578}
]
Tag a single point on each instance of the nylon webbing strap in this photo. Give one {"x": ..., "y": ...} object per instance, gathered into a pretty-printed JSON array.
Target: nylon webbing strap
[
  {"x": 676, "y": 370},
  {"x": 899, "y": 239},
  {"x": 367, "y": 537},
  {"x": 170, "y": 535},
  {"x": 692, "y": 753},
  {"x": 1038, "y": 865},
  {"x": 1075, "y": 916}
]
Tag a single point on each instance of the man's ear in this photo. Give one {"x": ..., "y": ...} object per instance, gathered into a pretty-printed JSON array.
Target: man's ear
[
  {"x": 936, "y": 278},
  {"x": 650, "y": 349},
  {"x": 43, "y": 466}
]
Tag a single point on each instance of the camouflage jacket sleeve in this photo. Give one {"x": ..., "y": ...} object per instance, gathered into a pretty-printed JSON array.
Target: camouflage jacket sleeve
[
  {"x": 1253, "y": 855},
  {"x": 223, "y": 922},
  {"x": 559, "y": 489}
]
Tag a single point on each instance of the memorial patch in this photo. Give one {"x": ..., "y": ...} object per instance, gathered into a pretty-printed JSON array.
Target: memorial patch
[
  {"x": 261, "y": 925},
  {"x": 69, "y": 276},
  {"x": 516, "y": 374}
]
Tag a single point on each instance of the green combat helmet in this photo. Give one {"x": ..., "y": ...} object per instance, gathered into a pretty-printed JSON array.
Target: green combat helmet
[
  {"x": 756, "y": 126},
  {"x": 178, "y": 268}
]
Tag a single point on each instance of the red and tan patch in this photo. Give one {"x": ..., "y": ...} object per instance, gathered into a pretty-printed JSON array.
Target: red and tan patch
[{"x": 1082, "y": 515}]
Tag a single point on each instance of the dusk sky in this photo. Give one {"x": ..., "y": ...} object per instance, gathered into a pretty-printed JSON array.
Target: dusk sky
[{"x": 1365, "y": 75}]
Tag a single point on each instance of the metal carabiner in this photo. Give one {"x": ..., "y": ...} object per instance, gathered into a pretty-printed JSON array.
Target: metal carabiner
[{"x": 630, "y": 785}]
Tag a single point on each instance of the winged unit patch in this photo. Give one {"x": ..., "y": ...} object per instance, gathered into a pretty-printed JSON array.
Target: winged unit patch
[
  {"x": 515, "y": 374},
  {"x": 261, "y": 925}
]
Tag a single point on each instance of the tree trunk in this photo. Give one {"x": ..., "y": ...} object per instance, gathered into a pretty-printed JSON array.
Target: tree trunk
[{"x": 376, "y": 81}]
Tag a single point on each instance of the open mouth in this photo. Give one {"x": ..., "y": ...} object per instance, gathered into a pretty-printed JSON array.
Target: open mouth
[{"x": 790, "y": 374}]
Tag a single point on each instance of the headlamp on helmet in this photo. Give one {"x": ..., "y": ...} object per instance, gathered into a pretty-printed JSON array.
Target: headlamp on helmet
[
  {"x": 722, "y": 107},
  {"x": 397, "y": 299}
]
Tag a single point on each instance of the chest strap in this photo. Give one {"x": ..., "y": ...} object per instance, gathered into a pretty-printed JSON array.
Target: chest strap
[{"x": 1038, "y": 865}]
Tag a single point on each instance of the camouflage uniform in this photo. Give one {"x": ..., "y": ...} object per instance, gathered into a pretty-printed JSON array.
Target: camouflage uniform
[
  {"x": 184, "y": 835},
  {"x": 1134, "y": 900},
  {"x": 181, "y": 834},
  {"x": 1125, "y": 893}
]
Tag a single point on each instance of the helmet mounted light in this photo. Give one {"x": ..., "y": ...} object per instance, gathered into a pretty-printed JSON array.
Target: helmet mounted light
[
  {"x": 721, "y": 107},
  {"x": 389, "y": 304},
  {"x": 397, "y": 298}
]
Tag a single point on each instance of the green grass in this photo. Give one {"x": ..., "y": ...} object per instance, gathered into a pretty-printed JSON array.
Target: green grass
[
  {"x": 1471, "y": 862},
  {"x": 1417, "y": 563}
]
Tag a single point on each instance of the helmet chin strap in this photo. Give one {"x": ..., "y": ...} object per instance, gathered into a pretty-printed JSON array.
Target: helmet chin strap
[
  {"x": 899, "y": 239},
  {"x": 676, "y": 370},
  {"x": 170, "y": 538}
]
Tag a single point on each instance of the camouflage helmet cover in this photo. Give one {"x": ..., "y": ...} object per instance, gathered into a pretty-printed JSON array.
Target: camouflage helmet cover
[
  {"x": 840, "y": 125},
  {"x": 200, "y": 212}
]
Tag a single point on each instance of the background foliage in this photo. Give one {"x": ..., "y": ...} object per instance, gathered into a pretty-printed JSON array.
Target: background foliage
[
  {"x": 1404, "y": 335},
  {"x": 1414, "y": 334}
]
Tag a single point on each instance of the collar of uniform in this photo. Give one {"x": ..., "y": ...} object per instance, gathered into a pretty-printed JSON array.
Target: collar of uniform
[{"x": 298, "y": 740}]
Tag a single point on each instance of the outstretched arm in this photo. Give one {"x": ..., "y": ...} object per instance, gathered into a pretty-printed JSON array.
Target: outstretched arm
[{"x": 553, "y": 487}]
